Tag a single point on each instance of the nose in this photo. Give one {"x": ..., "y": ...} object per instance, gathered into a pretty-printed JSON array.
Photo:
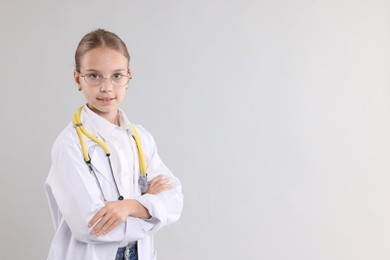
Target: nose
[{"x": 106, "y": 85}]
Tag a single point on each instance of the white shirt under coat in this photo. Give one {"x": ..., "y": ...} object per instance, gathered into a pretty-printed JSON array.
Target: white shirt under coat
[{"x": 74, "y": 196}]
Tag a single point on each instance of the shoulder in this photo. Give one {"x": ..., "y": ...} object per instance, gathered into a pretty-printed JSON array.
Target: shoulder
[
  {"x": 141, "y": 130},
  {"x": 144, "y": 134},
  {"x": 148, "y": 143},
  {"x": 65, "y": 140}
]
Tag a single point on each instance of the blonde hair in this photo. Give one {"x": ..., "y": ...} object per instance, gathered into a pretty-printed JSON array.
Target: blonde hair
[{"x": 99, "y": 38}]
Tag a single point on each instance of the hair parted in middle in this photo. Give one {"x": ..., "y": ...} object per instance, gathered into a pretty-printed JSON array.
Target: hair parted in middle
[{"x": 100, "y": 38}]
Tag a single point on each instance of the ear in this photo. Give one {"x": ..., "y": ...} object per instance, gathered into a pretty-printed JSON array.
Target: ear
[
  {"x": 76, "y": 77},
  {"x": 129, "y": 71}
]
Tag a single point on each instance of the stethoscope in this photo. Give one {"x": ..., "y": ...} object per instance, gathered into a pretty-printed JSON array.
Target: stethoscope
[{"x": 80, "y": 129}]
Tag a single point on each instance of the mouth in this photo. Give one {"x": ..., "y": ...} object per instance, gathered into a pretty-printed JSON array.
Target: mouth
[{"x": 105, "y": 99}]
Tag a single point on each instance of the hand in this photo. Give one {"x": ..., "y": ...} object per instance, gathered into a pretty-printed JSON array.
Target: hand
[
  {"x": 110, "y": 216},
  {"x": 159, "y": 184}
]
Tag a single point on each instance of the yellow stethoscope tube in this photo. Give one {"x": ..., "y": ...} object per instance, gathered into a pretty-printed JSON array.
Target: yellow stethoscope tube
[{"x": 81, "y": 131}]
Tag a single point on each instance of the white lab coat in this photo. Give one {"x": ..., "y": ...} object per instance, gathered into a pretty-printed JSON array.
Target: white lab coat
[{"x": 74, "y": 198}]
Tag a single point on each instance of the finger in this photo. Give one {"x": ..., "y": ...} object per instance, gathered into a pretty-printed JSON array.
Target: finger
[
  {"x": 156, "y": 179},
  {"x": 161, "y": 181},
  {"x": 162, "y": 188},
  {"x": 105, "y": 228},
  {"x": 97, "y": 228},
  {"x": 97, "y": 216},
  {"x": 166, "y": 187},
  {"x": 112, "y": 226}
]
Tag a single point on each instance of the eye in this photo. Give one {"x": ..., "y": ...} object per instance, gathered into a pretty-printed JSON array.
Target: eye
[
  {"x": 117, "y": 76},
  {"x": 93, "y": 76}
]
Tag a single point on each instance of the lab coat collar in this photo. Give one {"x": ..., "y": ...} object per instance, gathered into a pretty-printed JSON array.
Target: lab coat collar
[{"x": 104, "y": 128}]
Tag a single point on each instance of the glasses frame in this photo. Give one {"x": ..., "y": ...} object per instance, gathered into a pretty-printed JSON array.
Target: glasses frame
[{"x": 128, "y": 75}]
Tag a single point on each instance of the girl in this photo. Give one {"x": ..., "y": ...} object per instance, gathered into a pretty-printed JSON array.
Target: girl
[{"x": 108, "y": 189}]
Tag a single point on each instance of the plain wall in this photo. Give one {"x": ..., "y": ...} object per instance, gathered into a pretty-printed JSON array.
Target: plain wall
[{"x": 274, "y": 114}]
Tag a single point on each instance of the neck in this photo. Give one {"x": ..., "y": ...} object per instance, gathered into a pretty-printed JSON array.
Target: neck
[{"x": 111, "y": 116}]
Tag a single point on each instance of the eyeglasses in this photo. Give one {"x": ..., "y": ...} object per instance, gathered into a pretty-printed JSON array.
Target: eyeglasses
[{"x": 95, "y": 79}]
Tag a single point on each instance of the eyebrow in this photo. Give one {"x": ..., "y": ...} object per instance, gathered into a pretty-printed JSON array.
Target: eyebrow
[{"x": 114, "y": 71}]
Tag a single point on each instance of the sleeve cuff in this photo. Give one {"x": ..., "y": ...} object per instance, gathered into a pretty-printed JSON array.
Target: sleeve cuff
[
  {"x": 135, "y": 230},
  {"x": 155, "y": 207}
]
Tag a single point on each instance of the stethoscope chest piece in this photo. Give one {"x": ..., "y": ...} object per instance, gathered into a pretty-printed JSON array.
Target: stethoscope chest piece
[{"x": 143, "y": 182}]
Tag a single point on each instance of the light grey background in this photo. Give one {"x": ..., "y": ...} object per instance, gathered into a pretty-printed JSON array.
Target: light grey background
[{"x": 274, "y": 114}]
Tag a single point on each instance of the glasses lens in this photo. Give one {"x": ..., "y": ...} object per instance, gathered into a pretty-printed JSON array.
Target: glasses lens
[
  {"x": 93, "y": 79},
  {"x": 119, "y": 80}
]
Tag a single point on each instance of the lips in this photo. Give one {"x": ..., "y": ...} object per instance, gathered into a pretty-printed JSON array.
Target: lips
[{"x": 105, "y": 99}]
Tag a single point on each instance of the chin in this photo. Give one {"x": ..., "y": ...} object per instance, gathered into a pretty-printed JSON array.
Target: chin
[
  {"x": 103, "y": 109},
  {"x": 107, "y": 109}
]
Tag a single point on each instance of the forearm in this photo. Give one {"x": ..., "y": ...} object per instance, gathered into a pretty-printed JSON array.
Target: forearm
[
  {"x": 136, "y": 209},
  {"x": 164, "y": 207}
]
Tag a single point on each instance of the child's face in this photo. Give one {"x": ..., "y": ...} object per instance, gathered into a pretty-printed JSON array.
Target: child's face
[{"x": 105, "y": 97}]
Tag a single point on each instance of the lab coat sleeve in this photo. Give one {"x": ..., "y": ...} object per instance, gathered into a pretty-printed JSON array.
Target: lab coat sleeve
[
  {"x": 77, "y": 197},
  {"x": 165, "y": 207}
]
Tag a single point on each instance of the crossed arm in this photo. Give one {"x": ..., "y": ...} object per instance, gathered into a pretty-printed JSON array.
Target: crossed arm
[{"x": 116, "y": 212}]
